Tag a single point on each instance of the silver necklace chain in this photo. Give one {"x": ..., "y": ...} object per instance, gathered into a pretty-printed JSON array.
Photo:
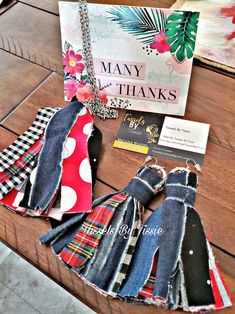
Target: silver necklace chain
[{"x": 96, "y": 105}]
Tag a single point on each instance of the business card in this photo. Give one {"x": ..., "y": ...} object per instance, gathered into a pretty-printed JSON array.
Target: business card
[
  {"x": 170, "y": 138},
  {"x": 184, "y": 134}
]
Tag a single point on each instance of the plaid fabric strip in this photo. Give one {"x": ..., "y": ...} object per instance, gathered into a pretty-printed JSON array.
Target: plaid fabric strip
[
  {"x": 12, "y": 153},
  {"x": 21, "y": 162},
  {"x": 121, "y": 272},
  {"x": 147, "y": 290},
  {"x": 16, "y": 181},
  {"x": 87, "y": 239}
]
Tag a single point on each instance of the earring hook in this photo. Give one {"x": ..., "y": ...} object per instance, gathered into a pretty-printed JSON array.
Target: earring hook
[
  {"x": 154, "y": 165},
  {"x": 148, "y": 159},
  {"x": 196, "y": 166}
]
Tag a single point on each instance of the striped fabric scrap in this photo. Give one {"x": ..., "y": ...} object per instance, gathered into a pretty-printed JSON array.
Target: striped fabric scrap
[
  {"x": 16, "y": 181},
  {"x": 15, "y": 175},
  {"x": 88, "y": 237},
  {"x": 13, "y": 152},
  {"x": 22, "y": 161}
]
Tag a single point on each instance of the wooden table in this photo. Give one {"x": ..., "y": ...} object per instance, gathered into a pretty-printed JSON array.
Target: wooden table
[{"x": 30, "y": 65}]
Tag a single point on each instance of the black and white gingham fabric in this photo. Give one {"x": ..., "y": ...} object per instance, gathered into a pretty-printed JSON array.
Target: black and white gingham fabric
[
  {"x": 122, "y": 269},
  {"x": 13, "y": 152},
  {"x": 16, "y": 181}
]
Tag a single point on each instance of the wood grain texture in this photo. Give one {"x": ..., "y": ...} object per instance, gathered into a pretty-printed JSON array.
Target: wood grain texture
[
  {"x": 52, "y": 5},
  {"x": 118, "y": 166},
  {"x": 47, "y": 5},
  {"x": 49, "y": 93},
  {"x": 6, "y": 138},
  {"x": 211, "y": 100},
  {"x": 18, "y": 78},
  {"x": 34, "y": 34},
  {"x": 16, "y": 231}
]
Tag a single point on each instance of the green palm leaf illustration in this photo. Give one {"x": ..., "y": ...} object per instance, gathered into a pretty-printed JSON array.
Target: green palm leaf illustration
[
  {"x": 143, "y": 23},
  {"x": 181, "y": 30}
]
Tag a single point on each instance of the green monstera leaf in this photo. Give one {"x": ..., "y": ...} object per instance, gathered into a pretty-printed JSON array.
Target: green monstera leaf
[{"x": 181, "y": 30}]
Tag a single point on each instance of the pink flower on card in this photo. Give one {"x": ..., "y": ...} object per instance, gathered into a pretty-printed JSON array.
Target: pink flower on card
[
  {"x": 160, "y": 43},
  {"x": 71, "y": 62},
  {"x": 71, "y": 86},
  {"x": 84, "y": 93}
]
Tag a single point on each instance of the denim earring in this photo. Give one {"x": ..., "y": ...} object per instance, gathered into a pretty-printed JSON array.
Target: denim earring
[
  {"x": 105, "y": 263},
  {"x": 180, "y": 262},
  {"x": 109, "y": 266}
]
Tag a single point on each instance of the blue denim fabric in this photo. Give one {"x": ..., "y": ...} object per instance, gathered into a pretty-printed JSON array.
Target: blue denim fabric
[
  {"x": 111, "y": 249},
  {"x": 50, "y": 159},
  {"x": 171, "y": 217},
  {"x": 144, "y": 192},
  {"x": 59, "y": 243},
  {"x": 174, "y": 293},
  {"x": 48, "y": 237}
]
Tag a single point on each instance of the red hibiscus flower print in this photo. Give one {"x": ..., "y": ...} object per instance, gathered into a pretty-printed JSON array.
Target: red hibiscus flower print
[
  {"x": 71, "y": 86},
  {"x": 160, "y": 43},
  {"x": 71, "y": 62},
  {"x": 84, "y": 93},
  {"x": 229, "y": 12}
]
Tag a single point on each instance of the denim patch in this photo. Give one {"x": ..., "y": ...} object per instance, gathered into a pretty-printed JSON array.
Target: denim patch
[{"x": 50, "y": 159}]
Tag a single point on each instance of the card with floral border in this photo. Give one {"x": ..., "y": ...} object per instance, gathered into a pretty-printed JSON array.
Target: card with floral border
[{"x": 142, "y": 56}]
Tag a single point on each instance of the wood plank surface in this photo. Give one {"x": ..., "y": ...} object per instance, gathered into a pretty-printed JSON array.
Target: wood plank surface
[
  {"x": 211, "y": 100},
  {"x": 13, "y": 89},
  {"x": 52, "y": 5},
  {"x": 35, "y": 34},
  {"x": 47, "y": 5},
  {"x": 13, "y": 232},
  {"x": 6, "y": 138}
]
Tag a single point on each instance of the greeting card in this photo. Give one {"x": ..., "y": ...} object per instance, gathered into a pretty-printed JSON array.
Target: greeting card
[{"x": 142, "y": 56}]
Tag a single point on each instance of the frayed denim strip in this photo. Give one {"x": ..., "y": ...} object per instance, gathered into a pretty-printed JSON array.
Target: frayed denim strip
[
  {"x": 48, "y": 237},
  {"x": 49, "y": 168}
]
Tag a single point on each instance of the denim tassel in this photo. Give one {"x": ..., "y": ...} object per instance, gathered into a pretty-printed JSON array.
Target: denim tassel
[
  {"x": 170, "y": 216},
  {"x": 50, "y": 159},
  {"x": 109, "y": 265},
  {"x": 182, "y": 276}
]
